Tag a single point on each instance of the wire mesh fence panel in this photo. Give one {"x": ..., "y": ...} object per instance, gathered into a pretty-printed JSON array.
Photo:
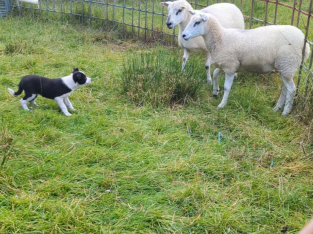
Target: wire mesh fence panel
[{"x": 145, "y": 20}]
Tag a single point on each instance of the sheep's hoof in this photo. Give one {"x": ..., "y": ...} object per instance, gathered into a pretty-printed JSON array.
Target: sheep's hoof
[
  {"x": 285, "y": 113},
  {"x": 215, "y": 95},
  {"x": 221, "y": 106},
  {"x": 277, "y": 108}
]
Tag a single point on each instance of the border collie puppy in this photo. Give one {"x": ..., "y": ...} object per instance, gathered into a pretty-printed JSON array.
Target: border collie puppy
[{"x": 56, "y": 89}]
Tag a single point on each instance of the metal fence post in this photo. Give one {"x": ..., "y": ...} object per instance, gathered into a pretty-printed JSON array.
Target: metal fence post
[
  {"x": 305, "y": 40},
  {"x": 299, "y": 12},
  {"x": 139, "y": 9},
  {"x": 251, "y": 14}
]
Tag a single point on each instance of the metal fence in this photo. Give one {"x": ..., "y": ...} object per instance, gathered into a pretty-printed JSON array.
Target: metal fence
[{"x": 145, "y": 20}]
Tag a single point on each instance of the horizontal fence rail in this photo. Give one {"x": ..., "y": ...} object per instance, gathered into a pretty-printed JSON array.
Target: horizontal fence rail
[{"x": 145, "y": 20}]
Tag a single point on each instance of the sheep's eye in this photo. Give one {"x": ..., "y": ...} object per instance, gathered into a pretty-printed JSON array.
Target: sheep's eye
[
  {"x": 196, "y": 23},
  {"x": 180, "y": 10}
]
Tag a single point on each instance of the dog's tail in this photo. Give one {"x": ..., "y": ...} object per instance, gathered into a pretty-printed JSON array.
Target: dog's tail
[{"x": 19, "y": 91}]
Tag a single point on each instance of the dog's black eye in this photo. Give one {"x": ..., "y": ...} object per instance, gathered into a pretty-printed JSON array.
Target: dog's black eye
[
  {"x": 180, "y": 10},
  {"x": 196, "y": 23}
]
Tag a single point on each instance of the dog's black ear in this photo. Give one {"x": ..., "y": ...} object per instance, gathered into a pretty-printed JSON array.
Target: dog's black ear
[
  {"x": 78, "y": 76},
  {"x": 75, "y": 69}
]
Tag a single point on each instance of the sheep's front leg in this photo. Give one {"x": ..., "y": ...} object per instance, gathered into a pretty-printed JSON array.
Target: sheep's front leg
[
  {"x": 68, "y": 103},
  {"x": 281, "y": 100},
  {"x": 62, "y": 106},
  {"x": 227, "y": 86},
  {"x": 185, "y": 58},
  {"x": 216, "y": 89},
  {"x": 207, "y": 68},
  {"x": 290, "y": 95}
]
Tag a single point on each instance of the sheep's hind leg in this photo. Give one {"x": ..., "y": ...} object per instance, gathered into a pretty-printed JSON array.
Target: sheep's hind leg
[
  {"x": 207, "y": 68},
  {"x": 185, "y": 58},
  {"x": 216, "y": 89},
  {"x": 290, "y": 95},
  {"x": 227, "y": 86},
  {"x": 282, "y": 99}
]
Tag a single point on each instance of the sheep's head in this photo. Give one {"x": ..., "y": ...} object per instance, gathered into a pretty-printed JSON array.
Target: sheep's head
[
  {"x": 177, "y": 12},
  {"x": 196, "y": 26}
]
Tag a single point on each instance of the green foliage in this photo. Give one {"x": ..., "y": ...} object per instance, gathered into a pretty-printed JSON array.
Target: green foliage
[{"x": 156, "y": 78}]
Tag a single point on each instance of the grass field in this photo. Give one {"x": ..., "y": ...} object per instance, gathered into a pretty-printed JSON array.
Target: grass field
[{"x": 118, "y": 167}]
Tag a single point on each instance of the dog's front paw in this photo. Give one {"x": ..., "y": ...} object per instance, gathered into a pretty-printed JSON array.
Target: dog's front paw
[
  {"x": 66, "y": 113},
  {"x": 221, "y": 105}
]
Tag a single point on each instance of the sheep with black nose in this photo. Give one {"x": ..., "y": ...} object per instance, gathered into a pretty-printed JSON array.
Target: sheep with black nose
[
  {"x": 279, "y": 48},
  {"x": 227, "y": 14}
]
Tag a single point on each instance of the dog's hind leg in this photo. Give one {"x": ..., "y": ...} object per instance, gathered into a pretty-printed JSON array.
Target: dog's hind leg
[
  {"x": 33, "y": 102},
  {"x": 26, "y": 99},
  {"x": 62, "y": 106},
  {"x": 68, "y": 103}
]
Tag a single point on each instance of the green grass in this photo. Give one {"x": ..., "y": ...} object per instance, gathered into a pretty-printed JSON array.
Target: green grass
[
  {"x": 157, "y": 78},
  {"x": 116, "y": 167}
]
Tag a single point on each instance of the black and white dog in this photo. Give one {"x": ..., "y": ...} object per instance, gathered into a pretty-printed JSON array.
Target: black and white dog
[{"x": 56, "y": 89}]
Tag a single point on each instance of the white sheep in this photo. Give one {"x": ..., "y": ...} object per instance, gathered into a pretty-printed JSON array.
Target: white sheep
[
  {"x": 261, "y": 50},
  {"x": 228, "y": 15}
]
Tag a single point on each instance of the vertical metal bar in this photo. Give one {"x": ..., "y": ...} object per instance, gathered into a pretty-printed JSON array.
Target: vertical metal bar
[
  {"x": 207, "y": 2},
  {"x": 196, "y": 4},
  {"x": 82, "y": 15},
  {"x": 275, "y": 16},
  {"x": 19, "y": 8},
  {"x": 162, "y": 23},
  {"x": 53, "y": 7},
  {"x": 71, "y": 10},
  {"x": 146, "y": 12},
  {"x": 251, "y": 14},
  {"x": 293, "y": 12},
  {"x": 152, "y": 28},
  {"x": 61, "y": 11},
  {"x": 40, "y": 7},
  {"x": 266, "y": 9},
  {"x": 139, "y": 9},
  {"x": 90, "y": 13},
  {"x": 113, "y": 18},
  {"x": 47, "y": 8},
  {"x": 299, "y": 11},
  {"x": 241, "y": 5},
  {"x": 132, "y": 18},
  {"x": 311, "y": 60},
  {"x": 124, "y": 4},
  {"x": 173, "y": 37},
  {"x": 107, "y": 8},
  {"x": 31, "y": 10},
  {"x": 303, "y": 51}
]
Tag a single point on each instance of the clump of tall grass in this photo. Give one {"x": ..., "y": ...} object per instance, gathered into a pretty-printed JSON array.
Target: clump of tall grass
[{"x": 156, "y": 78}]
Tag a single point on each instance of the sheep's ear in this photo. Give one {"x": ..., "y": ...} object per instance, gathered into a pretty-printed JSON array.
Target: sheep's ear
[
  {"x": 184, "y": 6},
  {"x": 192, "y": 12},
  {"x": 204, "y": 17},
  {"x": 165, "y": 4}
]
